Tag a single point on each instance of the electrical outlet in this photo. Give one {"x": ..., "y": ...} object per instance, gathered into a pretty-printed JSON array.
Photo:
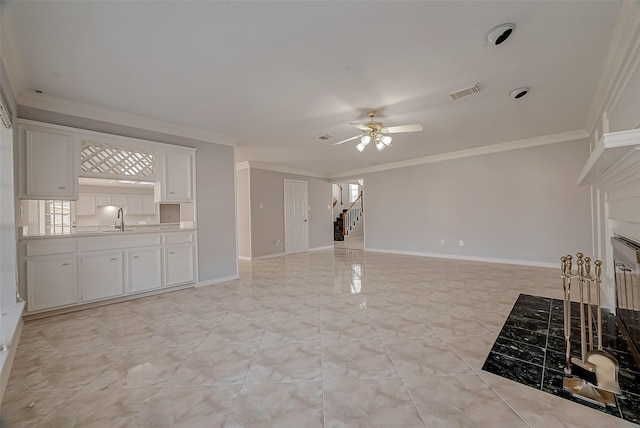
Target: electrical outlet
[
  {"x": 442, "y": 242},
  {"x": 461, "y": 243}
]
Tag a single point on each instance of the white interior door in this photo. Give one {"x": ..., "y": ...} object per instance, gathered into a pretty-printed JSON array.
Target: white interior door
[{"x": 296, "y": 217}]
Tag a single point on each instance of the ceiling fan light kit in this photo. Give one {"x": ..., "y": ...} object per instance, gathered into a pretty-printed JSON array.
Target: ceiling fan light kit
[{"x": 376, "y": 131}]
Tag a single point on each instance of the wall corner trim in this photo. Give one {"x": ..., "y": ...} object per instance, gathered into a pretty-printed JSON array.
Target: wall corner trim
[
  {"x": 279, "y": 168},
  {"x": 88, "y": 111},
  {"x": 562, "y": 137},
  {"x": 620, "y": 63}
]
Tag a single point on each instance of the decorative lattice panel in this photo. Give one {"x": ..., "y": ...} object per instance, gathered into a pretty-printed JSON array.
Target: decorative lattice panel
[{"x": 98, "y": 158}]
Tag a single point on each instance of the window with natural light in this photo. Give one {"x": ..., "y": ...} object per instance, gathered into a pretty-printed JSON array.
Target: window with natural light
[
  {"x": 354, "y": 192},
  {"x": 57, "y": 216}
]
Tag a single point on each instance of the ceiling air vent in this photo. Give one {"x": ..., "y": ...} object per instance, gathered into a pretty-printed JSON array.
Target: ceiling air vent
[
  {"x": 324, "y": 137},
  {"x": 464, "y": 92}
]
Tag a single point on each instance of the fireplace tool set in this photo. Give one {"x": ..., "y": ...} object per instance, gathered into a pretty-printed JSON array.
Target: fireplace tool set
[{"x": 595, "y": 373}]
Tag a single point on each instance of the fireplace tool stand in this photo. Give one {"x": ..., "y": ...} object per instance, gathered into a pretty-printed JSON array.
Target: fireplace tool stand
[{"x": 594, "y": 376}]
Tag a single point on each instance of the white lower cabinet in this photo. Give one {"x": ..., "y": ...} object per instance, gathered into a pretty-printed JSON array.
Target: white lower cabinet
[
  {"x": 101, "y": 275},
  {"x": 66, "y": 272},
  {"x": 178, "y": 264},
  {"x": 145, "y": 271},
  {"x": 53, "y": 282}
]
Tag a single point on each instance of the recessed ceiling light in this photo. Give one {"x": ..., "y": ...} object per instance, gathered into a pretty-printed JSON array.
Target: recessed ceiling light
[
  {"x": 519, "y": 93},
  {"x": 500, "y": 34}
]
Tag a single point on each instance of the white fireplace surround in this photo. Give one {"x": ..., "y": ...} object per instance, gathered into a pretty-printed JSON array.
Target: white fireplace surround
[{"x": 613, "y": 172}]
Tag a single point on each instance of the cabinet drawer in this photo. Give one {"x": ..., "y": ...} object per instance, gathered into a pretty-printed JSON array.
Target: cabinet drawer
[
  {"x": 49, "y": 246},
  {"x": 179, "y": 238}
]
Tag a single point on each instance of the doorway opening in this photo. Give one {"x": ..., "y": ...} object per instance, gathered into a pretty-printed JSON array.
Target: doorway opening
[{"x": 348, "y": 214}]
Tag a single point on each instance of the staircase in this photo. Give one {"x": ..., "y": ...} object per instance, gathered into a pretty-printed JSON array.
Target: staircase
[{"x": 346, "y": 221}]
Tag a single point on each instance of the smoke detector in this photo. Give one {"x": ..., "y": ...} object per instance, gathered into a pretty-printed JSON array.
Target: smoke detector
[
  {"x": 498, "y": 35},
  {"x": 519, "y": 93}
]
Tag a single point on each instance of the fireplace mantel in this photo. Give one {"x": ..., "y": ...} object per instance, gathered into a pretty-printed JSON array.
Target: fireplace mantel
[
  {"x": 614, "y": 161},
  {"x": 613, "y": 172}
]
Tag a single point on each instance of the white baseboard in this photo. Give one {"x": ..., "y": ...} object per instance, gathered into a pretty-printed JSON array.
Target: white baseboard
[
  {"x": 217, "y": 280},
  {"x": 268, "y": 256},
  {"x": 326, "y": 247},
  {"x": 12, "y": 322},
  {"x": 467, "y": 258},
  {"x": 245, "y": 258}
]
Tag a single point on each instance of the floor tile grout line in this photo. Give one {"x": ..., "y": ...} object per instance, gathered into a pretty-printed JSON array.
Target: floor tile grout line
[
  {"x": 424, "y": 421},
  {"x": 546, "y": 346}
]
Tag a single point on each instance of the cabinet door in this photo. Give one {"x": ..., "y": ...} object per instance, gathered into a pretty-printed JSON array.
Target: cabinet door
[
  {"x": 119, "y": 201},
  {"x": 86, "y": 204},
  {"x": 148, "y": 206},
  {"x": 51, "y": 171},
  {"x": 103, "y": 200},
  {"x": 101, "y": 276},
  {"x": 134, "y": 205},
  {"x": 179, "y": 266},
  {"x": 144, "y": 269},
  {"x": 51, "y": 282},
  {"x": 177, "y": 176}
]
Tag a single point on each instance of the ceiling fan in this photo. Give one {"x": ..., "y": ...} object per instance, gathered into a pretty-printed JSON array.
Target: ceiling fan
[{"x": 376, "y": 131}]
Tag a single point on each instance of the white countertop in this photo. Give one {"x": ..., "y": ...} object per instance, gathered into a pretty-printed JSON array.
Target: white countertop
[{"x": 111, "y": 232}]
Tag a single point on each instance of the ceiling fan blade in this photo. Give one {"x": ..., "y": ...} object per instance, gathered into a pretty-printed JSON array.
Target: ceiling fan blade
[
  {"x": 416, "y": 127},
  {"x": 347, "y": 140},
  {"x": 361, "y": 126}
]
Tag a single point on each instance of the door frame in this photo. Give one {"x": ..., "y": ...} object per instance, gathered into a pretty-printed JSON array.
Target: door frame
[{"x": 306, "y": 190}]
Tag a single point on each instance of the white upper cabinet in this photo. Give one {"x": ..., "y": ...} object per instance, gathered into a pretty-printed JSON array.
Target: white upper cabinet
[
  {"x": 49, "y": 161},
  {"x": 111, "y": 200},
  {"x": 176, "y": 177},
  {"x": 86, "y": 204},
  {"x": 140, "y": 205}
]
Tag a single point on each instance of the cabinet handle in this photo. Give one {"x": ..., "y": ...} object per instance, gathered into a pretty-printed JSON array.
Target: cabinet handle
[
  {"x": 172, "y": 252},
  {"x": 135, "y": 257},
  {"x": 172, "y": 193},
  {"x": 114, "y": 258},
  {"x": 65, "y": 264},
  {"x": 61, "y": 187}
]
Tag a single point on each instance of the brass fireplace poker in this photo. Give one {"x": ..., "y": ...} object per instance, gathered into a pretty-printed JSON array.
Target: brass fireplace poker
[{"x": 595, "y": 374}]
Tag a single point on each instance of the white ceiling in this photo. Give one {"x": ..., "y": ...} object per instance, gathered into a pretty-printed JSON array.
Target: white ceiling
[{"x": 272, "y": 75}]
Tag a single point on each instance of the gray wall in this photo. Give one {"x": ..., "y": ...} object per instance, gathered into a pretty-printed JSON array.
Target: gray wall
[
  {"x": 267, "y": 223},
  {"x": 215, "y": 172},
  {"x": 243, "y": 206},
  {"x": 519, "y": 205}
]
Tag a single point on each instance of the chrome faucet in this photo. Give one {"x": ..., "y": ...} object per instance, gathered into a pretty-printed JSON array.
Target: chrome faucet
[{"x": 120, "y": 212}]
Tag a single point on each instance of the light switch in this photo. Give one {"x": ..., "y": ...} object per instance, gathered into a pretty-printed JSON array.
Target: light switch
[{"x": 261, "y": 205}]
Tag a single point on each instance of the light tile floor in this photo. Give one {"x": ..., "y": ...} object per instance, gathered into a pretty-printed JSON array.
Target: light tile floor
[
  {"x": 337, "y": 338},
  {"x": 353, "y": 243}
]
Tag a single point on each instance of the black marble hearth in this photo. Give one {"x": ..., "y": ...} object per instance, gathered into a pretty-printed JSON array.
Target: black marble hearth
[{"x": 530, "y": 349}]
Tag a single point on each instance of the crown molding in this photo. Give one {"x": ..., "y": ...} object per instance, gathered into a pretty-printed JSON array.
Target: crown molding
[
  {"x": 620, "y": 62},
  {"x": 477, "y": 151},
  {"x": 242, "y": 165},
  {"x": 279, "y": 168},
  {"x": 88, "y": 111},
  {"x": 9, "y": 52}
]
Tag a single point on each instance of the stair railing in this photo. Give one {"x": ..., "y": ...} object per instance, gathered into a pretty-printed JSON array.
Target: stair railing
[
  {"x": 352, "y": 214},
  {"x": 337, "y": 194}
]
